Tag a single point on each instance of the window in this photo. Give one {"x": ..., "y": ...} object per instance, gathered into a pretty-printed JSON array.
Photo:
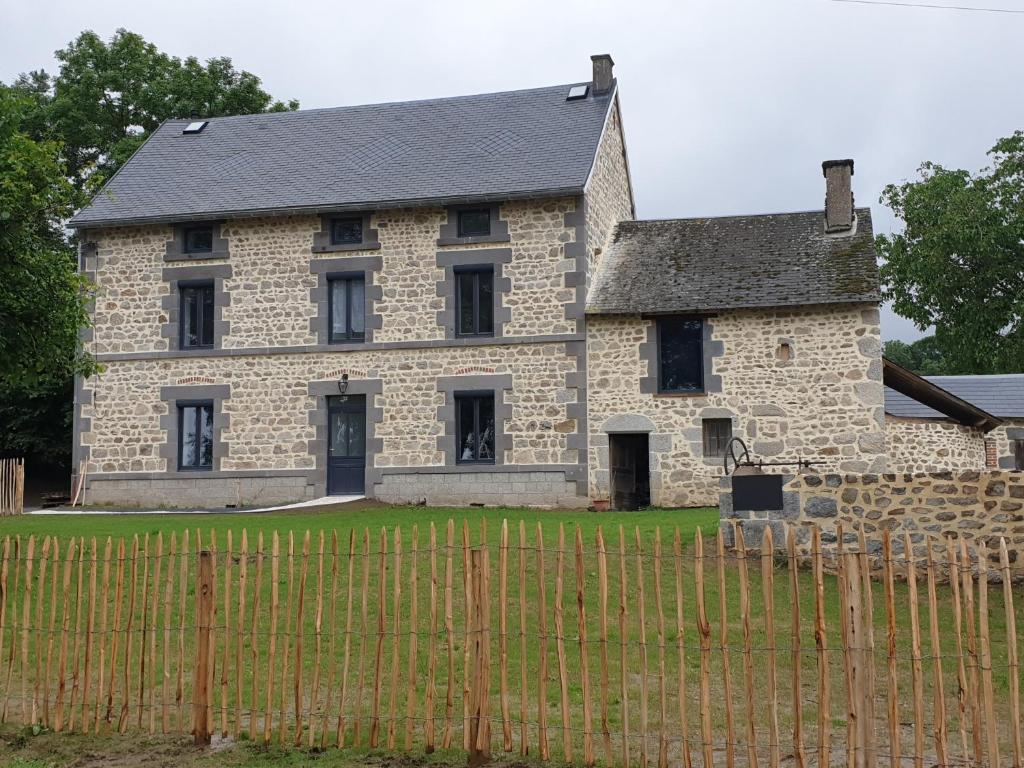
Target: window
[
  {"x": 348, "y": 310},
  {"x": 680, "y": 355},
  {"x": 199, "y": 240},
  {"x": 474, "y": 417},
  {"x": 347, "y": 231},
  {"x": 195, "y": 435},
  {"x": 475, "y": 222},
  {"x": 196, "y": 315},
  {"x": 717, "y": 434},
  {"x": 474, "y": 301},
  {"x": 1018, "y": 455}
]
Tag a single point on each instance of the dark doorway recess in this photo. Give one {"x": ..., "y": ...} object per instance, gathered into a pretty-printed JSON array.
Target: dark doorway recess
[
  {"x": 630, "y": 471},
  {"x": 346, "y": 445}
]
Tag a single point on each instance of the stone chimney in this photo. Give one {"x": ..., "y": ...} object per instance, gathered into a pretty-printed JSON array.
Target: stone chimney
[
  {"x": 838, "y": 195},
  {"x": 602, "y": 73}
]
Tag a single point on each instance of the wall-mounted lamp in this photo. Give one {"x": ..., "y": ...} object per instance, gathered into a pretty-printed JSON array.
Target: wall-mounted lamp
[{"x": 343, "y": 386}]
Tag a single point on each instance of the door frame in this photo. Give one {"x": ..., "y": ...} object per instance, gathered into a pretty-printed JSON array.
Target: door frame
[
  {"x": 346, "y": 404},
  {"x": 633, "y": 441},
  {"x": 319, "y": 391}
]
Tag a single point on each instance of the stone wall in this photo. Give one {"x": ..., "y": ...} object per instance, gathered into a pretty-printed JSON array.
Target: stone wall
[
  {"x": 933, "y": 445},
  {"x": 1011, "y": 429},
  {"x": 980, "y": 507},
  {"x": 823, "y": 402}
]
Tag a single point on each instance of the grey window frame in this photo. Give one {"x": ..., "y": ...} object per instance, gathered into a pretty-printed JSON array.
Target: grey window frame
[
  {"x": 476, "y": 270},
  {"x": 181, "y": 405},
  {"x": 701, "y": 388},
  {"x": 707, "y": 426},
  {"x": 463, "y": 212},
  {"x": 477, "y": 396},
  {"x": 348, "y": 278},
  {"x": 191, "y": 285}
]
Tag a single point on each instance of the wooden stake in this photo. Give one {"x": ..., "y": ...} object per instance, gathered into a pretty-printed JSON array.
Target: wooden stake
[
  {"x": 542, "y": 670},
  {"x": 768, "y": 590},
  {"x": 378, "y": 664},
  {"x": 65, "y": 626},
  {"x": 449, "y": 635},
  {"x": 748, "y": 659},
  {"x": 144, "y": 619},
  {"x": 41, "y": 589},
  {"x": 365, "y": 591},
  {"x": 122, "y": 722},
  {"x": 179, "y": 692},
  {"x": 254, "y": 639},
  {"x": 973, "y": 686},
  {"x": 334, "y": 633},
  {"x": 204, "y": 618},
  {"x": 624, "y": 655},
  {"x": 524, "y": 745},
  {"x": 318, "y": 619},
  {"x": 796, "y": 659},
  {"x": 868, "y": 636},
  {"x": 662, "y": 693},
  {"x": 275, "y": 576},
  {"x": 915, "y": 652},
  {"x": 431, "y": 692},
  {"x": 1012, "y": 659},
  {"x": 954, "y": 580},
  {"x": 396, "y": 610},
  {"x": 103, "y": 632},
  {"x": 282, "y": 724},
  {"x": 299, "y": 627},
  {"x": 243, "y": 583},
  {"x": 89, "y": 637},
  {"x": 821, "y": 647},
  {"x": 602, "y": 600},
  {"x": 988, "y": 701},
  {"x": 228, "y": 634},
  {"x": 938, "y": 689},
  {"x": 18, "y": 554},
  {"x": 723, "y": 647},
  {"x": 155, "y": 608},
  {"x": 166, "y": 653},
  {"x": 684, "y": 721},
  {"x": 563, "y": 672},
  {"x": 506, "y": 716},
  {"x": 704, "y": 631},
  {"x": 581, "y": 615},
  {"x": 410, "y": 717},
  {"x": 26, "y": 623},
  {"x": 892, "y": 685}
]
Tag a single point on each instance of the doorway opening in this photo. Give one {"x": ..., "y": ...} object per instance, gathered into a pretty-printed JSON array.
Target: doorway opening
[
  {"x": 346, "y": 445},
  {"x": 629, "y": 461}
]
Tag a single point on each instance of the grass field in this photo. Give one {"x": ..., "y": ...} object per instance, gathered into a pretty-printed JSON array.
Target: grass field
[{"x": 726, "y": 644}]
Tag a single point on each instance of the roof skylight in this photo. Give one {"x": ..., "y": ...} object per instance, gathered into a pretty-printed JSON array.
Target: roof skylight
[
  {"x": 577, "y": 92},
  {"x": 195, "y": 127}
]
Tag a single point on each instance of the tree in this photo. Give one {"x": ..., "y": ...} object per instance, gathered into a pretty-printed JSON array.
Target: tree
[
  {"x": 61, "y": 137},
  {"x": 109, "y": 97},
  {"x": 959, "y": 262},
  {"x": 923, "y": 356}
]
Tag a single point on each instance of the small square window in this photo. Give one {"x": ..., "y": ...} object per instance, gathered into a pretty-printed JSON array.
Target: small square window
[
  {"x": 195, "y": 435},
  {"x": 717, "y": 434},
  {"x": 199, "y": 240},
  {"x": 475, "y": 222},
  {"x": 475, "y": 426},
  {"x": 347, "y": 231}
]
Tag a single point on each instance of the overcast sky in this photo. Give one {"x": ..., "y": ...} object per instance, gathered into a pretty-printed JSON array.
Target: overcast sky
[{"x": 729, "y": 105}]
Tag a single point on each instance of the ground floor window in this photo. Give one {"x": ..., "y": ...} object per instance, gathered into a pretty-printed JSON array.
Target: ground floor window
[
  {"x": 195, "y": 435},
  {"x": 474, "y": 417},
  {"x": 717, "y": 434}
]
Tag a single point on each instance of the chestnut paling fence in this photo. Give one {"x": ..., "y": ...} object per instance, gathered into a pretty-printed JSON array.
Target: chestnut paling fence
[
  {"x": 630, "y": 648},
  {"x": 12, "y": 486}
]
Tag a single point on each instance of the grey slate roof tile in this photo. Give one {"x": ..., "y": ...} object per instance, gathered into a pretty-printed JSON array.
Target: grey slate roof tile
[
  {"x": 732, "y": 262},
  {"x": 1001, "y": 395},
  {"x": 499, "y": 145}
]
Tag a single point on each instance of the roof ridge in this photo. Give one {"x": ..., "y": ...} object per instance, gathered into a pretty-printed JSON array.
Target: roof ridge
[
  {"x": 718, "y": 217},
  {"x": 366, "y": 105}
]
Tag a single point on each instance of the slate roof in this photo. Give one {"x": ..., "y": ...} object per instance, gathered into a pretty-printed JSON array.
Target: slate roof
[
  {"x": 732, "y": 262},
  {"x": 1001, "y": 395},
  {"x": 440, "y": 151}
]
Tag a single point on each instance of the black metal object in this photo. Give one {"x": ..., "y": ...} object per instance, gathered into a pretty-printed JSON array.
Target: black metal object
[
  {"x": 730, "y": 453},
  {"x": 757, "y": 493}
]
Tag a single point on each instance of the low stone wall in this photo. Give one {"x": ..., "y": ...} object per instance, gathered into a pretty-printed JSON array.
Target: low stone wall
[
  {"x": 933, "y": 445},
  {"x": 980, "y": 507},
  {"x": 200, "y": 492},
  {"x": 489, "y": 487}
]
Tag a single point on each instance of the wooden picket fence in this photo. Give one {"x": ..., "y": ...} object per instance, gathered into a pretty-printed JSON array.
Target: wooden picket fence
[
  {"x": 12, "y": 486},
  {"x": 631, "y": 651}
]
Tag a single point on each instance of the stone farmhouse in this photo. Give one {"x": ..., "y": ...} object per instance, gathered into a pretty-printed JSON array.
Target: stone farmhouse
[{"x": 450, "y": 301}]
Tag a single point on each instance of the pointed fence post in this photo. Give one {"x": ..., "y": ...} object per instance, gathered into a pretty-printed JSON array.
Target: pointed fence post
[{"x": 204, "y": 620}]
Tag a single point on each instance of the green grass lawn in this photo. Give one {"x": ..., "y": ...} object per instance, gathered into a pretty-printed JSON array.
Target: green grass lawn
[{"x": 323, "y": 650}]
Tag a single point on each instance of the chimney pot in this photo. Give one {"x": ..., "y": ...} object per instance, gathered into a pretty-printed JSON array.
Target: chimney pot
[
  {"x": 838, "y": 195},
  {"x": 603, "y": 77}
]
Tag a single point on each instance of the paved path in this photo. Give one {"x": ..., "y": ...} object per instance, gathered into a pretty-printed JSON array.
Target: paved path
[{"x": 322, "y": 501}]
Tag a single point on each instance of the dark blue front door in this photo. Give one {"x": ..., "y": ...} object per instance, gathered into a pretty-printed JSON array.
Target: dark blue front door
[{"x": 346, "y": 445}]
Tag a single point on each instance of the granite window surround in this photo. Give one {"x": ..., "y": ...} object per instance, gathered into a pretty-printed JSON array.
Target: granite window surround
[
  {"x": 170, "y": 423},
  {"x": 348, "y": 266},
  {"x": 322, "y": 239},
  {"x": 175, "y": 249},
  {"x": 453, "y": 261},
  {"x": 649, "y": 353},
  {"x": 449, "y": 232},
  {"x": 318, "y": 418},
  {"x": 449, "y": 386},
  {"x": 178, "y": 277}
]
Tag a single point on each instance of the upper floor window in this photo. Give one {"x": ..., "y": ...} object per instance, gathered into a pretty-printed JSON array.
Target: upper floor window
[
  {"x": 474, "y": 417},
  {"x": 347, "y": 309},
  {"x": 474, "y": 300},
  {"x": 680, "y": 355},
  {"x": 197, "y": 319},
  {"x": 347, "y": 231},
  {"x": 199, "y": 239},
  {"x": 195, "y": 435},
  {"x": 475, "y": 222},
  {"x": 717, "y": 434}
]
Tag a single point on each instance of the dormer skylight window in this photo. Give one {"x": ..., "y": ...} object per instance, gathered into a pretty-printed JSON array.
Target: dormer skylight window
[
  {"x": 196, "y": 127},
  {"x": 577, "y": 92}
]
